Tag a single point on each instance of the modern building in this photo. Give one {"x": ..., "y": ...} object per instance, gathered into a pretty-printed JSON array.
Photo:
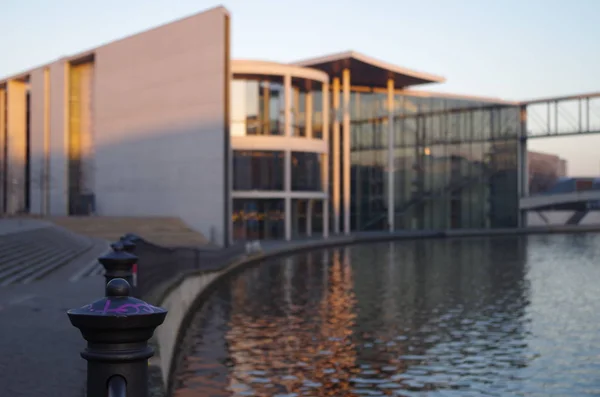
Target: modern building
[
  {"x": 544, "y": 171},
  {"x": 166, "y": 123}
]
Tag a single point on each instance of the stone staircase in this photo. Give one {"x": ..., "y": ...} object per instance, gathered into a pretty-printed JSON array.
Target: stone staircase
[
  {"x": 32, "y": 253},
  {"x": 165, "y": 231}
]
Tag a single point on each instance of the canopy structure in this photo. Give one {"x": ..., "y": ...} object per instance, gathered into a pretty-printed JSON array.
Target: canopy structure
[{"x": 369, "y": 72}]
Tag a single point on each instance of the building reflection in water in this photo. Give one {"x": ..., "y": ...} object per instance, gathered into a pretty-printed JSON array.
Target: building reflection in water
[
  {"x": 373, "y": 319},
  {"x": 303, "y": 345}
]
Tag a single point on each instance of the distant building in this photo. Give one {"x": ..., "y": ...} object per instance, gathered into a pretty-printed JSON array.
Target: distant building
[
  {"x": 544, "y": 171},
  {"x": 562, "y": 168}
]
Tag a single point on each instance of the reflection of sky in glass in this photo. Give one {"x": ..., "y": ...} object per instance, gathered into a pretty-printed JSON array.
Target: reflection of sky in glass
[
  {"x": 473, "y": 317},
  {"x": 238, "y": 108},
  {"x": 247, "y": 107}
]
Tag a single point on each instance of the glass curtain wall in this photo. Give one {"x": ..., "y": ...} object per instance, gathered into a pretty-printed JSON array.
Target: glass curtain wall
[
  {"x": 258, "y": 170},
  {"x": 257, "y": 107},
  {"x": 307, "y": 108},
  {"x": 368, "y": 159},
  {"x": 455, "y": 163},
  {"x": 258, "y": 219},
  {"x": 307, "y": 171}
]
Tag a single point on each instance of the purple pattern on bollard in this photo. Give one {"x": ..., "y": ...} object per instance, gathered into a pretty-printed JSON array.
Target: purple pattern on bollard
[{"x": 126, "y": 308}]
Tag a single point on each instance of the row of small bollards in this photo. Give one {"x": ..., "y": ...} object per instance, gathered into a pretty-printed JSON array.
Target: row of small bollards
[{"x": 117, "y": 329}]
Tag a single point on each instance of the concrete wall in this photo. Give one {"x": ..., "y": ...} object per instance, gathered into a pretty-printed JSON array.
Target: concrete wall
[
  {"x": 86, "y": 127},
  {"x": 17, "y": 145},
  {"x": 38, "y": 135},
  {"x": 2, "y": 144},
  {"x": 160, "y": 111},
  {"x": 178, "y": 303},
  {"x": 81, "y": 132},
  {"x": 58, "y": 114}
]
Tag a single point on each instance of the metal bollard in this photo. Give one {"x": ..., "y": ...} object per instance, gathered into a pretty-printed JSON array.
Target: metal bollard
[
  {"x": 129, "y": 247},
  {"x": 118, "y": 263},
  {"x": 117, "y": 329}
]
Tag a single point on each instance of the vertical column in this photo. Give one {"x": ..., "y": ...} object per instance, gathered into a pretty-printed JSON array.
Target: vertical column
[
  {"x": 295, "y": 112},
  {"x": 58, "y": 144},
  {"x": 287, "y": 104},
  {"x": 38, "y": 132},
  {"x": 309, "y": 207},
  {"x": 46, "y": 165},
  {"x": 336, "y": 155},
  {"x": 357, "y": 188},
  {"x": 325, "y": 162},
  {"x": 522, "y": 165},
  {"x": 308, "y": 112},
  {"x": 16, "y": 144},
  {"x": 346, "y": 148},
  {"x": 390, "y": 156},
  {"x": 2, "y": 148},
  {"x": 86, "y": 127},
  {"x": 287, "y": 181}
]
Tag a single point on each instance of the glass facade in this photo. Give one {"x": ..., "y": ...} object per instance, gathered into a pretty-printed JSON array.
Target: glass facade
[
  {"x": 307, "y": 171},
  {"x": 257, "y": 107},
  {"x": 455, "y": 163},
  {"x": 301, "y": 109},
  {"x": 258, "y": 170},
  {"x": 307, "y": 217},
  {"x": 306, "y": 108},
  {"x": 258, "y": 219},
  {"x": 263, "y": 219}
]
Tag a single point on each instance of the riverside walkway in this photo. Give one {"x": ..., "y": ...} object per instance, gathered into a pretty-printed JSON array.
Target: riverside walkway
[{"x": 39, "y": 348}]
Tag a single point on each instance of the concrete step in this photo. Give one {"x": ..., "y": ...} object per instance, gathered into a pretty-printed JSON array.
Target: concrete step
[
  {"x": 38, "y": 272},
  {"x": 167, "y": 231},
  {"x": 89, "y": 265},
  {"x": 28, "y": 274},
  {"x": 30, "y": 255},
  {"x": 23, "y": 262}
]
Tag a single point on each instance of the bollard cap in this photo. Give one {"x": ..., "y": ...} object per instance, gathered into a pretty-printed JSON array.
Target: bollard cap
[
  {"x": 118, "y": 317},
  {"x": 118, "y": 259},
  {"x": 117, "y": 246},
  {"x": 128, "y": 245},
  {"x": 131, "y": 237}
]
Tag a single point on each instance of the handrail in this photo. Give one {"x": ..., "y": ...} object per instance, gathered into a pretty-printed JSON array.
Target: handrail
[{"x": 117, "y": 386}]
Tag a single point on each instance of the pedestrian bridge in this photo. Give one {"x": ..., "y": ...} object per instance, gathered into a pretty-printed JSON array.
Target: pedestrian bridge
[{"x": 550, "y": 200}]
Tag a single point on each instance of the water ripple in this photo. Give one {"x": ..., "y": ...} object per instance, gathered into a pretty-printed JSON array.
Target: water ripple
[{"x": 473, "y": 317}]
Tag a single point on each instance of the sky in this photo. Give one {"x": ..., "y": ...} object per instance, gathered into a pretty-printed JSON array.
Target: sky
[{"x": 512, "y": 49}]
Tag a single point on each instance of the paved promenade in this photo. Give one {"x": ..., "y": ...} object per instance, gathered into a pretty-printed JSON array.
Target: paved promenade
[{"x": 39, "y": 349}]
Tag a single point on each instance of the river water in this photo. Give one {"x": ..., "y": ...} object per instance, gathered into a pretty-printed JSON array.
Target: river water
[{"x": 515, "y": 316}]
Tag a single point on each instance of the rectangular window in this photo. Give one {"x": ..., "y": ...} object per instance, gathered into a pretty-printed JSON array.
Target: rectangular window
[
  {"x": 258, "y": 170},
  {"x": 306, "y": 171}
]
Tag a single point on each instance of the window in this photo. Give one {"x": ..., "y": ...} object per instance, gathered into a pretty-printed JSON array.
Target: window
[
  {"x": 258, "y": 170},
  {"x": 257, "y": 107},
  {"x": 306, "y": 171}
]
